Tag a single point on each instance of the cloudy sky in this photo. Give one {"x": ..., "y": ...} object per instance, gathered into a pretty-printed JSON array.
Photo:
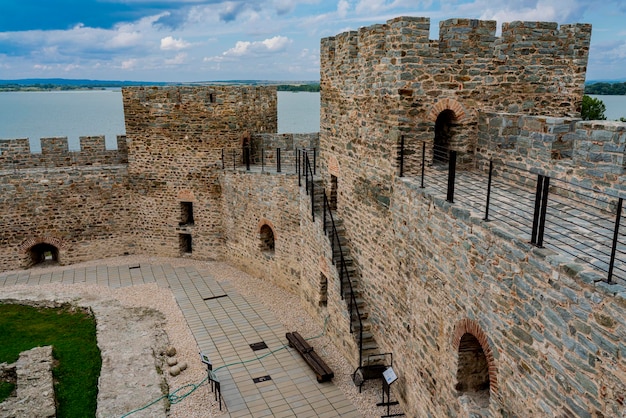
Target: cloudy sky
[{"x": 200, "y": 40}]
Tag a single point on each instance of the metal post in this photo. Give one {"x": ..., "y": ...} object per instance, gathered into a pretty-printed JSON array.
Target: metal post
[
  {"x": 306, "y": 173},
  {"x": 533, "y": 235},
  {"x": 324, "y": 212},
  {"x": 423, "y": 161},
  {"x": 544, "y": 208},
  {"x": 278, "y": 160},
  {"x": 486, "y": 218},
  {"x": 223, "y": 159},
  {"x": 618, "y": 217},
  {"x": 312, "y": 199},
  {"x": 451, "y": 176},
  {"x": 402, "y": 156},
  {"x": 299, "y": 167}
]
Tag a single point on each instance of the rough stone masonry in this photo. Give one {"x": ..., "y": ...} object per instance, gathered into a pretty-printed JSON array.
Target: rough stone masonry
[{"x": 478, "y": 319}]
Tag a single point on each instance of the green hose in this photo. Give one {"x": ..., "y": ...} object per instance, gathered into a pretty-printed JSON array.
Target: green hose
[{"x": 174, "y": 398}]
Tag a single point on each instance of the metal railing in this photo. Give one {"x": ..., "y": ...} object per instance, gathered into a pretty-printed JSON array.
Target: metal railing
[
  {"x": 307, "y": 171},
  {"x": 347, "y": 290},
  {"x": 571, "y": 219},
  {"x": 276, "y": 160}
]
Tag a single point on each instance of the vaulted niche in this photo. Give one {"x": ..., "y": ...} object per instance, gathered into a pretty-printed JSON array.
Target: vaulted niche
[
  {"x": 186, "y": 213},
  {"x": 473, "y": 371},
  {"x": 43, "y": 253},
  {"x": 266, "y": 235},
  {"x": 184, "y": 242},
  {"x": 444, "y": 132}
]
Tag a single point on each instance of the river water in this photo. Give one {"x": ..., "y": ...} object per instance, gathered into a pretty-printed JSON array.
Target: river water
[{"x": 99, "y": 112}]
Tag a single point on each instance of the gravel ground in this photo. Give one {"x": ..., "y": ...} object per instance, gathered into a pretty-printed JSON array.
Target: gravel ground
[{"x": 284, "y": 305}]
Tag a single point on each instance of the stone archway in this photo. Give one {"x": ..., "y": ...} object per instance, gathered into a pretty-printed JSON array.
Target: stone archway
[
  {"x": 267, "y": 237},
  {"x": 43, "y": 253},
  {"x": 477, "y": 377},
  {"x": 448, "y": 116},
  {"x": 444, "y": 135},
  {"x": 40, "y": 250}
]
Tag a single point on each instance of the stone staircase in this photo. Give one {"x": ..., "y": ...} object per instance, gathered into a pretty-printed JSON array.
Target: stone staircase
[{"x": 371, "y": 360}]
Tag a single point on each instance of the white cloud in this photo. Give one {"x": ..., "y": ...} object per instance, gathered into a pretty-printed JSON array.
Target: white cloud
[
  {"x": 129, "y": 64},
  {"x": 170, "y": 43},
  {"x": 124, "y": 40},
  {"x": 275, "y": 44},
  {"x": 342, "y": 8},
  {"x": 177, "y": 60}
]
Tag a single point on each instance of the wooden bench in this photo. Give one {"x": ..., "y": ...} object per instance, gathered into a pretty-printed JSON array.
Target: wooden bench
[{"x": 321, "y": 369}]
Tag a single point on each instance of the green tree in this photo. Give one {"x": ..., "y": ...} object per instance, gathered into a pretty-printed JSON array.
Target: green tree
[{"x": 592, "y": 109}]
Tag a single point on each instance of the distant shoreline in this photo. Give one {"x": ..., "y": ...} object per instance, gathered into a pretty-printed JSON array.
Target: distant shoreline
[{"x": 69, "y": 85}]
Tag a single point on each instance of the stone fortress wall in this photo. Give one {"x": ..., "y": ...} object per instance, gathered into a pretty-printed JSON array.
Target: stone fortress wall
[
  {"x": 440, "y": 285},
  {"x": 72, "y": 205}
]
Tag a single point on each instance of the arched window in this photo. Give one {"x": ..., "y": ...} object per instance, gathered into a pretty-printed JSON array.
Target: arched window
[
  {"x": 444, "y": 131},
  {"x": 473, "y": 371},
  {"x": 43, "y": 253},
  {"x": 266, "y": 235}
]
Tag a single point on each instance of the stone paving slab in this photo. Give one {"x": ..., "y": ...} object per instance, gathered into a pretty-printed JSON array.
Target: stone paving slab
[{"x": 224, "y": 324}]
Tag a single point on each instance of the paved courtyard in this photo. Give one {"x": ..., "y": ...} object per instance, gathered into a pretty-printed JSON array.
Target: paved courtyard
[{"x": 224, "y": 324}]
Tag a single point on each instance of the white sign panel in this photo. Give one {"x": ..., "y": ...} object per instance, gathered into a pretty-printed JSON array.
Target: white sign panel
[{"x": 390, "y": 376}]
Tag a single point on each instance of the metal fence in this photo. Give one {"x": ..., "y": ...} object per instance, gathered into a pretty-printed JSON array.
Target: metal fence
[
  {"x": 276, "y": 160},
  {"x": 575, "y": 221}
]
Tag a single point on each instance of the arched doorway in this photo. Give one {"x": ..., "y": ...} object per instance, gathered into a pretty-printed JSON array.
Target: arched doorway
[
  {"x": 266, "y": 235},
  {"x": 444, "y": 132},
  {"x": 43, "y": 253},
  {"x": 477, "y": 375},
  {"x": 473, "y": 371}
]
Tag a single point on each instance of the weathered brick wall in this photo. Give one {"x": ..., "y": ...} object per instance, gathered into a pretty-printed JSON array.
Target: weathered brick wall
[
  {"x": 288, "y": 144},
  {"x": 430, "y": 272},
  {"x": 15, "y": 154},
  {"x": 176, "y": 135},
  {"x": 254, "y": 199},
  {"x": 393, "y": 74},
  {"x": 85, "y": 212},
  {"x": 76, "y": 201},
  {"x": 556, "y": 338},
  {"x": 585, "y": 154}
]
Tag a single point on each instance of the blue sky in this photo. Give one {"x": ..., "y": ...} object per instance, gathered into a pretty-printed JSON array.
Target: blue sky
[{"x": 201, "y": 40}]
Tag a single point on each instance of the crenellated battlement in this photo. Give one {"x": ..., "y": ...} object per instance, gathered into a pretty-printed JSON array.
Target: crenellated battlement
[
  {"x": 536, "y": 68},
  {"x": 16, "y": 154},
  {"x": 457, "y": 37}
]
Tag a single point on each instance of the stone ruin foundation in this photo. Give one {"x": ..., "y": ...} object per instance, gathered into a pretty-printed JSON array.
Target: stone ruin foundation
[{"x": 34, "y": 394}]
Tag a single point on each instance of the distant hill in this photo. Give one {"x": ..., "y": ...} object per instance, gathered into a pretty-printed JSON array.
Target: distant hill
[
  {"x": 601, "y": 87},
  {"x": 74, "y": 82},
  {"x": 34, "y": 84}
]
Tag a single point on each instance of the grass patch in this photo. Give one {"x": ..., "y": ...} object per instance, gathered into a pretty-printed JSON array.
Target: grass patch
[
  {"x": 72, "y": 335},
  {"x": 6, "y": 389}
]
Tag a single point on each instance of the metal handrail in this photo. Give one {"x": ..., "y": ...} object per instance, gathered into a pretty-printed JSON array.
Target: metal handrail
[
  {"x": 529, "y": 215},
  {"x": 311, "y": 188},
  {"x": 344, "y": 272}
]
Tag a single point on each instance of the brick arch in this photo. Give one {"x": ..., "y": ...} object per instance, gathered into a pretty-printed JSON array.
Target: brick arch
[
  {"x": 27, "y": 244},
  {"x": 447, "y": 104},
  {"x": 267, "y": 242},
  {"x": 186, "y": 195},
  {"x": 469, "y": 326},
  {"x": 267, "y": 222},
  {"x": 333, "y": 165}
]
